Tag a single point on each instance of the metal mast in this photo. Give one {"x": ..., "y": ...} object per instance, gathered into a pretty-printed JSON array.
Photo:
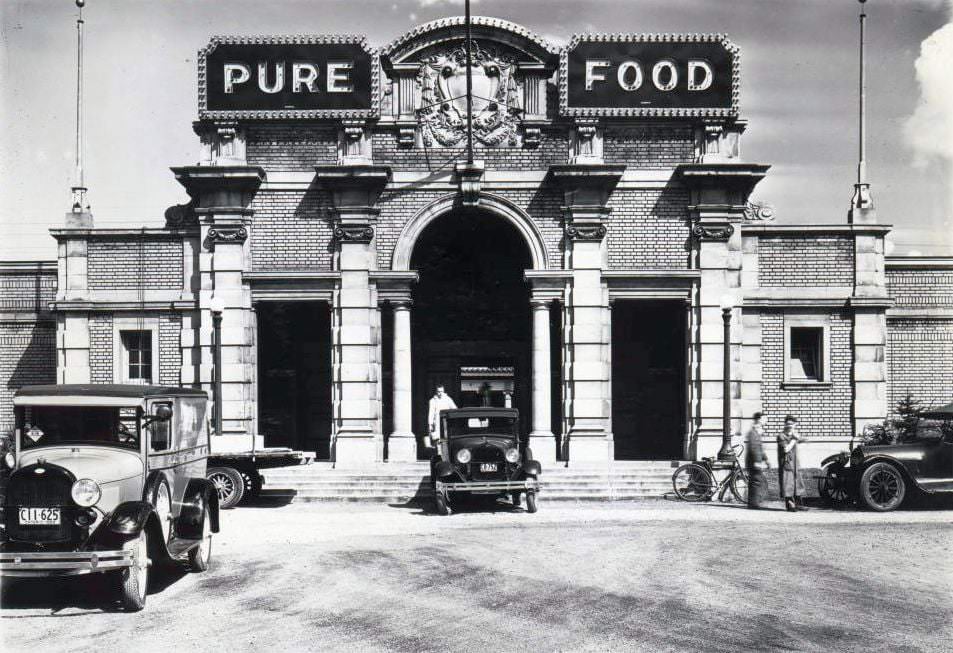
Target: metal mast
[
  {"x": 79, "y": 190},
  {"x": 469, "y": 90},
  {"x": 862, "y": 203}
]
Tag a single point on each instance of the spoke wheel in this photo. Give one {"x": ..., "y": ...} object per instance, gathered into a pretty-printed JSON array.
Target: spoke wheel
[
  {"x": 692, "y": 482},
  {"x": 162, "y": 500},
  {"x": 134, "y": 580},
  {"x": 739, "y": 485},
  {"x": 831, "y": 486},
  {"x": 229, "y": 485},
  {"x": 882, "y": 487},
  {"x": 200, "y": 557}
]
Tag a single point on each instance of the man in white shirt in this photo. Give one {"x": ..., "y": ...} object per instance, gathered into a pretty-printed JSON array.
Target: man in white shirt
[{"x": 440, "y": 401}]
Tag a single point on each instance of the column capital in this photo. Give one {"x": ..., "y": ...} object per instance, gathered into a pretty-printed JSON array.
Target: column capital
[
  {"x": 401, "y": 304},
  {"x": 539, "y": 304}
]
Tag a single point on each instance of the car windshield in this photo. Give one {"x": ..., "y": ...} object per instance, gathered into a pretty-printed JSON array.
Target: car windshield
[
  {"x": 45, "y": 426},
  {"x": 463, "y": 426}
]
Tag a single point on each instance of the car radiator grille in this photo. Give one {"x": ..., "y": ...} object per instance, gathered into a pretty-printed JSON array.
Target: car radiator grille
[{"x": 51, "y": 489}]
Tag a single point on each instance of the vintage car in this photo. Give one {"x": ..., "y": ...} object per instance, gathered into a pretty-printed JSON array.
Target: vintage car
[
  {"x": 480, "y": 453},
  {"x": 881, "y": 475},
  {"x": 108, "y": 479}
]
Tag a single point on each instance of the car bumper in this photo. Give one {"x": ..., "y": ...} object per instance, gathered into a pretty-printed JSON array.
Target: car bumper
[
  {"x": 487, "y": 486},
  {"x": 62, "y": 563}
]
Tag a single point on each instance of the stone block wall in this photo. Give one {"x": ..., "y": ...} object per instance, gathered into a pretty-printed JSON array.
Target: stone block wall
[
  {"x": 823, "y": 411},
  {"x": 649, "y": 146},
  {"x": 123, "y": 264},
  {"x": 805, "y": 261},
  {"x": 649, "y": 229},
  {"x": 290, "y": 146},
  {"x": 291, "y": 230}
]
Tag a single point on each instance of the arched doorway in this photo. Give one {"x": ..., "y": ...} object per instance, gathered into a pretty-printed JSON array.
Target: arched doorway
[{"x": 471, "y": 322}]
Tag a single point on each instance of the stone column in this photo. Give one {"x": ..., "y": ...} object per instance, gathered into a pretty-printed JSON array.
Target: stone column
[
  {"x": 72, "y": 328},
  {"x": 402, "y": 444},
  {"x": 357, "y": 429},
  {"x": 541, "y": 438},
  {"x": 222, "y": 195}
]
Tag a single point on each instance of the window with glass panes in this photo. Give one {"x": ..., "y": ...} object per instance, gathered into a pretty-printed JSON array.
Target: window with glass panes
[
  {"x": 806, "y": 353},
  {"x": 138, "y": 349}
]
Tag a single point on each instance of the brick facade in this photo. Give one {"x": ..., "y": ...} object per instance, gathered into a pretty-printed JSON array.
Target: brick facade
[
  {"x": 921, "y": 288},
  {"x": 553, "y": 149},
  {"x": 920, "y": 360},
  {"x": 124, "y": 264},
  {"x": 649, "y": 229},
  {"x": 806, "y": 261},
  {"x": 101, "y": 348},
  {"x": 170, "y": 355},
  {"x": 290, "y": 146},
  {"x": 291, "y": 231},
  {"x": 649, "y": 146}
]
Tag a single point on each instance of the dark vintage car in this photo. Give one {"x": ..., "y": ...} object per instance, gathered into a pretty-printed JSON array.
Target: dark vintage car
[
  {"x": 881, "y": 476},
  {"x": 480, "y": 453},
  {"x": 108, "y": 479}
]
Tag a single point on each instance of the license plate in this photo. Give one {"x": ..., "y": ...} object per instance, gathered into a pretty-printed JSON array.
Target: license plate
[
  {"x": 39, "y": 516},
  {"x": 487, "y": 467}
]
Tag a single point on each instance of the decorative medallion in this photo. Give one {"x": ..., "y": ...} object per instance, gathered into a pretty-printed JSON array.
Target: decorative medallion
[
  {"x": 713, "y": 232},
  {"x": 497, "y": 97},
  {"x": 216, "y": 236},
  {"x": 354, "y": 234},
  {"x": 586, "y": 232},
  {"x": 759, "y": 212}
]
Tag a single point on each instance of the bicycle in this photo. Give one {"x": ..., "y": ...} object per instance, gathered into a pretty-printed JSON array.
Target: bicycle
[{"x": 696, "y": 481}]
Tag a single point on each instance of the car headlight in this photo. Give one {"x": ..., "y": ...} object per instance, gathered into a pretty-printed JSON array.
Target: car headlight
[
  {"x": 86, "y": 492},
  {"x": 512, "y": 456},
  {"x": 10, "y": 460},
  {"x": 463, "y": 456}
]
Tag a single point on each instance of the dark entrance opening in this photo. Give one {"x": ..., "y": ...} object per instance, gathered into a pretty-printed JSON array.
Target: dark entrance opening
[
  {"x": 648, "y": 379},
  {"x": 294, "y": 375},
  {"x": 471, "y": 323}
]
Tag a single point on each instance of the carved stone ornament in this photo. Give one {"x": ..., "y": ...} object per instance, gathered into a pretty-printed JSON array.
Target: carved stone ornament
[
  {"x": 354, "y": 234},
  {"x": 181, "y": 216},
  {"x": 713, "y": 232},
  {"x": 497, "y": 97},
  {"x": 216, "y": 236},
  {"x": 586, "y": 232},
  {"x": 759, "y": 212}
]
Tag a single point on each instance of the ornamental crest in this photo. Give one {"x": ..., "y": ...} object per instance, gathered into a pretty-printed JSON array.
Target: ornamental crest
[{"x": 497, "y": 97}]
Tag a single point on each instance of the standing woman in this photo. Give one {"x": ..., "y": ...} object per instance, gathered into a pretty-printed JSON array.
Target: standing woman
[{"x": 790, "y": 482}]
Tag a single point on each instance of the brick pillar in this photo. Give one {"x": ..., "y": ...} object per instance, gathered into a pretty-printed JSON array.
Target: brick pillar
[
  {"x": 587, "y": 188},
  {"x": 357, "y": 410},
  {"x": 719, "y": 194},
  {"x": 223, "y": 196}
]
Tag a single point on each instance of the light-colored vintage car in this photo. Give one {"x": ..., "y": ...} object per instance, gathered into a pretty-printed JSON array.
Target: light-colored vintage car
[{"x": 108, "y": 479}]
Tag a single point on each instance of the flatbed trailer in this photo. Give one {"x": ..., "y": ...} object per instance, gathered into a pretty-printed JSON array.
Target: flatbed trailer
[{"x": 236, "y": 474}]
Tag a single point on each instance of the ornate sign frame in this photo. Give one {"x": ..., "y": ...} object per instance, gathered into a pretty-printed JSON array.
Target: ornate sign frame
[
  {"x": 297, "y": 39},
  {"x": 650, "y": 112}
]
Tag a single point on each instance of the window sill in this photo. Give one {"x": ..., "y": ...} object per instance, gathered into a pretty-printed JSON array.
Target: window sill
[{"x": 802, "y": 385}]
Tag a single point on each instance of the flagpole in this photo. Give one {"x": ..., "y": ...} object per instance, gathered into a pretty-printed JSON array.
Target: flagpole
[
  {"x": 469, "y": 91},
  {"x": 862, "y": 204},
  {"x": 79, "y": 190}
]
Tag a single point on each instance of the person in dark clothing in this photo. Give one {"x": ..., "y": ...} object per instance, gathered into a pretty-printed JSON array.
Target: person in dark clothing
[
  {"x": 756, "y": 461},
  {"x": 791, "y": 486}
]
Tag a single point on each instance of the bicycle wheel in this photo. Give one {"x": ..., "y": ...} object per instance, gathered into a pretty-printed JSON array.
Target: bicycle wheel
[
  {"x": 739, "y": 485},
  {"x": 692, "y": 482}
]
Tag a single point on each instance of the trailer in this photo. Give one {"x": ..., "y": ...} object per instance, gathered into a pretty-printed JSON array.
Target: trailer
[{"x": 236, "y": 474}]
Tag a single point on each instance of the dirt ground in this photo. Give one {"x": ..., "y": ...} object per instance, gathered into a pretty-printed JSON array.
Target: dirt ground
[{"x": 647, "y": 576}]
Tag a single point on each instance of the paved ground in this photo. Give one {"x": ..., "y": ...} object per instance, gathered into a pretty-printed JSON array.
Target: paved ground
[{"x": 648, "y": 576}]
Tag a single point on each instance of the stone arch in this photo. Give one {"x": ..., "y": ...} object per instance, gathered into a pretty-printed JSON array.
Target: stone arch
[{"x": 492, "y": 204}]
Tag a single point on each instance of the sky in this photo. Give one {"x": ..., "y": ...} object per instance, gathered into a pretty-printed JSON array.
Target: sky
[{"x": 798, "y": 91}]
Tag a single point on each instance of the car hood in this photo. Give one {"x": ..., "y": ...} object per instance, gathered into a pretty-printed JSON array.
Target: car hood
[
  {"x": 473, "y": 441},
  {"x": 101, "y": 464},
  {"x": 905, "y": 451}
]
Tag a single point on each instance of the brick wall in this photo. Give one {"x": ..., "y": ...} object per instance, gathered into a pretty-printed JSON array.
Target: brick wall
[
  {"x": 649, "y": 229},
  {"x": 649, "y": 146},
  {"x": 27, "y": 290},
  {"x": 101, "y": 348},
  {"x": 156, "y": 263},
  {"x": 920, "y": 360},
  {"x": 27, "y": 357},
  {"x": 822, "y": 411},
  {"x": 924, "y": 288},
  {"x": 170, "y": 353},
  {"x": 806, "y": 261},
  {"x": 291, "y": 231},
  {"x": 552, "y": 149},
  {"x": 290, "y": 146}
]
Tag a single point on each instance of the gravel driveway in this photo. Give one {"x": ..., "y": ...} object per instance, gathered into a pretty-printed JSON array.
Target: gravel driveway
[{"x": 648, "y": 576}]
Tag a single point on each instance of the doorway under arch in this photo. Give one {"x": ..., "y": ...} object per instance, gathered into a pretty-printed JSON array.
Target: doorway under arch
[{"x": 471, "y": 322}]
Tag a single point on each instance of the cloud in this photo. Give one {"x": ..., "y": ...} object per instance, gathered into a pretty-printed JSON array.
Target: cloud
[{"x": 929, "y": 130}]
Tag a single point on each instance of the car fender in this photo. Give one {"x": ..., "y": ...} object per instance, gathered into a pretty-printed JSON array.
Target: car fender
[
  {"x": 199, "y": 493},
  {"x": 443, "y": 469},
  {"x": 836, "y": 458},
  {"x": 879, "y": 458},
  {"x": 128, "y": 521},
  {"x": 532, "y": 468}
]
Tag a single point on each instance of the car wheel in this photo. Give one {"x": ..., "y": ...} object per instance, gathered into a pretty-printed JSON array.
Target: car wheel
[
  {"x": 442, "y": 504},
  {"x": 516, "y": 499},
  {"x": 882, "y": 487},
  {"x": 531, "y": 501},
  {"x": 162, "y": 501},
  {"x": 831, "y": 486},
  {"x": 134, "y": 580},
  {"x": 229, "y": 485},
  {"x": 200, "y": 556}
]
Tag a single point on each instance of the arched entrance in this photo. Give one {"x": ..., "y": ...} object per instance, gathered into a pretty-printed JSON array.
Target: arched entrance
[{"x": 471, "y": 322}]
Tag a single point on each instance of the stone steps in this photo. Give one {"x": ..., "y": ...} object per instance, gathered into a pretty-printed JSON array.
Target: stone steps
[{"x": 407, "y": 482}]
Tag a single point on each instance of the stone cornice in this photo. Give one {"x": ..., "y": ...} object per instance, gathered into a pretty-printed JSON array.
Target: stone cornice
[
  {"x": 809, "y": 229},
  {"x": 20, "y": 267},
  {"x": 103, "y": 305},
  {"x": 199, "y": 180},
  {"x": 919, "y": 262},
  {"x": 123, "y": 234},
  {"x": 739, "y": 176}
]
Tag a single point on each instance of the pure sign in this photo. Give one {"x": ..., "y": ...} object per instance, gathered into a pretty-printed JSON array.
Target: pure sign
[
  {"x": 648, "y": 77},
  {"x": 310, "y": 78}
]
